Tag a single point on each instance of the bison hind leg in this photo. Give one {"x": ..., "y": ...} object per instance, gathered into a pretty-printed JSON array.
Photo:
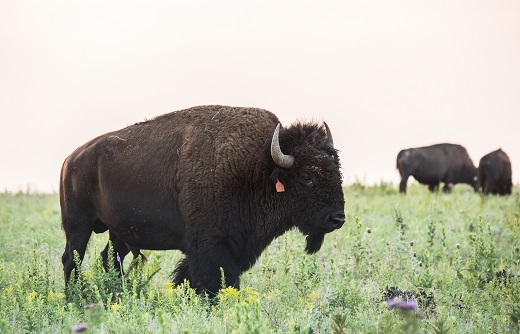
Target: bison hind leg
[
  {"x": 402, "y": 184},
  {"x": 136, "y": 252},
  {"x": 77, "y": 234},
  {"x": 117, "y": 256}
]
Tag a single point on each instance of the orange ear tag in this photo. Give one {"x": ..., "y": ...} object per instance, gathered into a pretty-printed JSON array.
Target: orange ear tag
[{"x": 279, "y": 187}]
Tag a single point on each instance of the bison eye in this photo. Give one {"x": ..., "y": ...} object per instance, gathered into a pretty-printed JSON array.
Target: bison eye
[{"x": 306, "y": 178}]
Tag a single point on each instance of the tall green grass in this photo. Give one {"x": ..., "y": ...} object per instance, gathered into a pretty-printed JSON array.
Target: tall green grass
[{"x": 455, "y": 255}]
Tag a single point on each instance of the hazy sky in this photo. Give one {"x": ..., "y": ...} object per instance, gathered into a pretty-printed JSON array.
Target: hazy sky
[{"x": 385, "y": 75}]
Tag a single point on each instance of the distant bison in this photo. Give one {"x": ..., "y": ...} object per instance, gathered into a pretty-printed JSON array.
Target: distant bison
[
  {"x": 494, "y": 170},
  {"x": 211, "y": 181},
  {"x": 431, "y": 165}
]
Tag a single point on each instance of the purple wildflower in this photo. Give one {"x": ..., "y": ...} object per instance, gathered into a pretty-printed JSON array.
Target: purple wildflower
[
  {"x": 393, "y": 302},
  {"x": 118, "y": 258},
  {"x": 402, "y": 304},
  {"x": 409, "y": 305},
  {"x": 148, "y": 303},
  {"x": 80, "y": 328}
]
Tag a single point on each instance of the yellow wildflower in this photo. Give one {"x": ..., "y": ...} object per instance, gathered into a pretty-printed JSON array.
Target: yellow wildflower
[
  {"x": 115, "y": 307},
  {"x": 229, "y": 293},
  {"x": 249, "y": 295},
  {"x": 168, "y": 288},
  {"x": 31, "y": 296},
  {"x": 311, "y": 301},
  {"x": 274, "y": 293},
  {"x": 313, "y": 295},
  {"x": 8, "y": 292}
]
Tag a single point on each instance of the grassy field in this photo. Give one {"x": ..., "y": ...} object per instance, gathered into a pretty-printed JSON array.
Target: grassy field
[{"x": 415, "y": 263}]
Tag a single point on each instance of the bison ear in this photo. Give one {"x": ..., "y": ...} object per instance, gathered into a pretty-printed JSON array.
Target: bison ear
[{"x": 278, "y": 176}]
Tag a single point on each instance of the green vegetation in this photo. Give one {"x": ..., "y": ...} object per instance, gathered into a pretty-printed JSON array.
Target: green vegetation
[{"x": 454, "y": 256}]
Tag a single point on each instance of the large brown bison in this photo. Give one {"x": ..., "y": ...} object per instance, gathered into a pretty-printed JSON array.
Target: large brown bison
[
  {"x": 494, "y": 171},
  {"x": 211, "y": 181},
  {"x": 431, "y": 165}
]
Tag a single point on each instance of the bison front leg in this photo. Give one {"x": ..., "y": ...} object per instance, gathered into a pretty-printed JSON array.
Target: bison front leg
[
  {"x": 204, "y": 269},
  {"x": 447, "y": 187},
  {"x": 489, "y": 185},
  {"x": 508, "y": 188},
  {"x": 181, "y": 272},
  {"x": 432, "y": 187}
]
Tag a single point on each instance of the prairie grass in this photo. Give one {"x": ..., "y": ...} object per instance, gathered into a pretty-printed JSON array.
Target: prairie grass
[{"x": 446, "y": 263}]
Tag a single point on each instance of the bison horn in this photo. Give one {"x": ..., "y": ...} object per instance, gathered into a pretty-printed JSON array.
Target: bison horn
[
  {"x": 329, "y": 135},
  {"x": 282, "y": 160}
]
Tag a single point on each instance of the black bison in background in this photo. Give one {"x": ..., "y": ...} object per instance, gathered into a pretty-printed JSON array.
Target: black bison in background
[
  {"x": 218, "y": 183},
  {"x": 494, "y": 172},
  {"x": 431, "y": 165}
]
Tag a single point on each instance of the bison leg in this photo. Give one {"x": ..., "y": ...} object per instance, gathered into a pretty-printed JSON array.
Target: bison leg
[
  {"x": 204, "y": 270},
  {"x": 120, "y": 250},
  {"x": 77, "y": 234},
  {"x": 508, "y": 188},
  {"x": 481, "y": 179},
  {"x": 404, "y": 171},
  {"x": 136, "y": 252},
  {"x": 433, "y": 186},
  {"x": 447, "y": 187},
  {"x": 486, "y": 189},
  {"x": 489, "y": 185},
  {"x": 402, "y": 185},
  {"x": 181, "y": 272},
  {"x": 208, "y": 273}
]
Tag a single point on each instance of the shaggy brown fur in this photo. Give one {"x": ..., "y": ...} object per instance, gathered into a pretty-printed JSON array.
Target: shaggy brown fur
[{"x": 201, "y": 180}]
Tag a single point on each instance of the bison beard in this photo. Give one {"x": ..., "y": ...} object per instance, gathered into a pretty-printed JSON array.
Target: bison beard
[
  {"x": 314, "y": 242},
  {"x": 203, "y": 181}
]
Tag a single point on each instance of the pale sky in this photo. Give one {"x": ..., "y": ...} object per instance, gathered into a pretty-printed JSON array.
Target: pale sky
[{"x": 385, "y": 75}]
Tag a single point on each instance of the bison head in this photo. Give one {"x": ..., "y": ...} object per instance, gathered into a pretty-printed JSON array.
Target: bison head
[
  {"x": 308, "y": 180},
  {"x": 469, "y": 175}
]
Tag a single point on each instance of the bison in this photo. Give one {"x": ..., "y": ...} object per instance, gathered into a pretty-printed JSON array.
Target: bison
[
  {"x": 431, "y": 165},
  {"x": 494, "y": 171},
  {"x": 217, "y": 183}
]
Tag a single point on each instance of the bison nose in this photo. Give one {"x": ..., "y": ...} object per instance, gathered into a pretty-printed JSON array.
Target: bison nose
[{"x": 337, "y": 218}]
